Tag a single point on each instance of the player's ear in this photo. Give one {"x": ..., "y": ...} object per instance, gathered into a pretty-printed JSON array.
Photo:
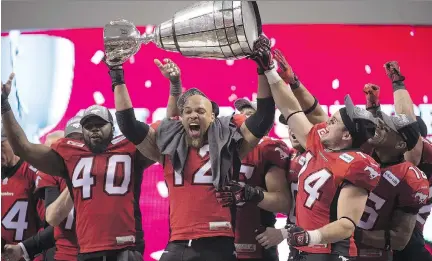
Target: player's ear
[
  {"x": 213, "y": 117},
  {"x": 401, "y": 145},
  {"x": 346, "y": 135}
]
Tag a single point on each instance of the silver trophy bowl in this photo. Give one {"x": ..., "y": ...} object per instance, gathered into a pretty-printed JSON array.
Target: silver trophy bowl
[{"x": 207, "y": 29}]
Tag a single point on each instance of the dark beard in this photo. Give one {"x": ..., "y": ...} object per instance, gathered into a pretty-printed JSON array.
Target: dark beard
[{"x": 99, "y": 148}]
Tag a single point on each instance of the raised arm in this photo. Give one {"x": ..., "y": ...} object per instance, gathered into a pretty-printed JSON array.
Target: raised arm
[
  {"x": 403, "y": 105},
  {"x": 259, "y": 123},
  {"x": 289, "y": 106},
  {"x": 171, "y": 71},
  {"x": 139, "y": 133},
  {"x": 38, "y": 155},
  {"x": 307, "y": 101}
]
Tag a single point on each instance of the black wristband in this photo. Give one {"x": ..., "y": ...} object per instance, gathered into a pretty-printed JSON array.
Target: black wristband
[
  {"x": 387, "y": 238},
  {"x": 398, "y": 85},
  {"x": 260, "y": 71},
  {"x": 312, "y": 108},
  {"x": 117, "y": 77},
  {"x": 175, "y": 88},
  {"x": 5, "y": 106}
]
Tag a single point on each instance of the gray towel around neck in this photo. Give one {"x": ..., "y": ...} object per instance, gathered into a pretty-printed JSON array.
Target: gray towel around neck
[{"x": 224, "y": 140}]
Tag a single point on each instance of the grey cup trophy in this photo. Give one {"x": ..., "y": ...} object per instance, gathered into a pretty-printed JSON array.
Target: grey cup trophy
[{"x": 207, "y": 29}]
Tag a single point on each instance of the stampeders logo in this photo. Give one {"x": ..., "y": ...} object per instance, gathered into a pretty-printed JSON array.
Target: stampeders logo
[
  {"x": 421, "y": 197},
  {"x": 322, "y": 131}
]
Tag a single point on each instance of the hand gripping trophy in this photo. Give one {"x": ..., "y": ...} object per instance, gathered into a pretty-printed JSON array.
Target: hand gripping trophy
[{"x": 207, "y": 29}]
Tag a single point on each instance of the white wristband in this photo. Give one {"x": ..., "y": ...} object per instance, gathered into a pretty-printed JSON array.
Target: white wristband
[
  {"x": 272, "y": 76},
  {"x": 314, "y": 237},
  {"x": 25, "y": 255}
]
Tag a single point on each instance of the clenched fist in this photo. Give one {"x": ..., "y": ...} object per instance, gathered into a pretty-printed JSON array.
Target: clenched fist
[{"x": 393, "y": 71}]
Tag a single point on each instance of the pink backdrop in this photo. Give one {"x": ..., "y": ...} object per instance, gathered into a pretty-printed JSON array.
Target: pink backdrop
[{"x": 320, "y": 54}]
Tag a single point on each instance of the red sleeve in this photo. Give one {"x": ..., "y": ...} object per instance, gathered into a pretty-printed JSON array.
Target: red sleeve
[
  {"x": 427, "y": 151},
  {"x": 239, "y": 119},
  {"x": 364, "y": 173},
  {"x": 275, "y": 153},
  {"x": 313, "y": 141},
  {"x": 414, "y": 191},
  {"x": 155, "y": 125},
  {"x": 45, "y": 180}
]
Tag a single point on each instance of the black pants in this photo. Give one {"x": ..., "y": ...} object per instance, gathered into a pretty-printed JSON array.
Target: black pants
[
  {"x": 120, "y": 255},
  {"x": 302, "y": 256},
  {"x": 267, "y": 255},
  {"x": 415, "y": 249},
  {"x": 202, "y": 249}
]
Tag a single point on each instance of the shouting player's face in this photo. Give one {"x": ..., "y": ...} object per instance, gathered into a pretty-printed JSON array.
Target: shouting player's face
[
  {"x": 387, "y": 139},
  {"x": 337, "y": 134},
  {"x": 97, "y": 134},
  {"x": 7, "y": 154},
  {"x": 196, "y": 118},
  {"x": 248, "y": 111}
]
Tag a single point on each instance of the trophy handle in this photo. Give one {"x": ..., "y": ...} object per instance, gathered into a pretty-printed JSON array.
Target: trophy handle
[{"x": 147, "y": 38}]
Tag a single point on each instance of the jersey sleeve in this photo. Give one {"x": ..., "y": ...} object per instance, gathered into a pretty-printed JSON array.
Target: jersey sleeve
[
  {"x": 313, "y": 141},
  {"x": 414, "y": 191},
  {"x": 45, "y": 180},
  {"x": 363, "y": 173},
  {"x": 238, "y": 119},
  {"x": 427, "y": 151},
  {"x": 275, "y": 153}
]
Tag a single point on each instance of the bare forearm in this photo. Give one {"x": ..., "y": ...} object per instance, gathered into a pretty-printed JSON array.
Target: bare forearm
[
  {"x": 275, "y": 202},
  {"x": 121, "y": 98},
  {"x": 59, "y": 209},
  {"x": 403, "y": 103},
  {"x": 336, "y": 231},
  {"x": 307, "y": 102},
  {"x": 172, "y": 109},
  {"x": 263, "y": 87}
]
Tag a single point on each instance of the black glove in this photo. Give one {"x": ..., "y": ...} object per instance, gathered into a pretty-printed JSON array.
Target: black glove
[
  {"x": 297, "y": 236},
  {"x": 236, "y": 193},
  {"x": 116, "y": 73},
  {"x": 262, "y": 54}
]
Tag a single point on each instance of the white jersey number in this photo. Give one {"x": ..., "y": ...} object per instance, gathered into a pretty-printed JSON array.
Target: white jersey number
[
  {"x": 83, "y": 178},
  {"x": 70, "y": 220},
  {"x": 372, "y": 211},
  {"x": 15, "y": 219}
]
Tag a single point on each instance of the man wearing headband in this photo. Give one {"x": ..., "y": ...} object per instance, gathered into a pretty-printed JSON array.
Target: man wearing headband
[
  {"x": 420, "y": 156},
  {"x": 390, "y": 217},
  {"x": 105, "y": 175},
  {"x": 20, "y": 218},
  {"x": 198, "y": 152},
  {"x": 62, "y": 236},
  {"x": 334, "y": 182}
]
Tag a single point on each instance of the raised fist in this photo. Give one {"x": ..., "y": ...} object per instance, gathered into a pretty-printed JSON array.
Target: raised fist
[
  {"x": 393, "y": 71},
  {"x": 372, "y": 92},
  {"x": 169, "y": 69},
  {"x": 286, "y": 72},
  {"x": 262, "y": 54}
]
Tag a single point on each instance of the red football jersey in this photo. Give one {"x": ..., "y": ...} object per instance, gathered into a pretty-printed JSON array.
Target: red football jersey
[
  {"x": 402, "y": 186},
  {"x": 106, "y": 194},
  {"x": 296, "y": 163},
  {"x": 269, "y": 152},
  {"x": 194, "y": 209},
  {"x": 426, "y": 166},
  {"x": 64, "y": 234},
  {"x": 20, "y": 218},
  {"x": 319, "y": 183}
]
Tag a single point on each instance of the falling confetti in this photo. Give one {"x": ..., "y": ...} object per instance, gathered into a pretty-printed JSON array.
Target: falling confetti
[
  {"x": 148, "y": 84},
  {"x": 272, "y": 42},
  {"x": 230, "y": 62},
  {"x": 335, "y": 84},
  {"x": 98, "y": 98},
  {"x": 233, "y": 88},
  {"x": 425, "y": 99},
  {"x": 368, "y": 69},
  {"x": 97, "y": 57}
]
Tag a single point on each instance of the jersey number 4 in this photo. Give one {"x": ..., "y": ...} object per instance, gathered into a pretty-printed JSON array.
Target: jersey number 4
[
  {"x": 314, "y": 182},
  {"x": 83, "y": 178},
  {"x": 16, "y": 219}
]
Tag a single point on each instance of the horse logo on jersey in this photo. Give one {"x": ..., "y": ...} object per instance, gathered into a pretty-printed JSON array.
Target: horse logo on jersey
[
  {"x": 372, "y": 173},
  {"x": 283, "y": 154},
  {"x": 322, "y": 131},
  {"x": 421, "y": 197}
]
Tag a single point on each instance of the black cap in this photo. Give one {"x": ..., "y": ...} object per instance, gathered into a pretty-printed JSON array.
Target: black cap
[
  {"x": 407, "y": 127},
  {"x": 97, "y": 111},
  {"x": 360, "y": 123},
  {"x": 239, "y": 104}
]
